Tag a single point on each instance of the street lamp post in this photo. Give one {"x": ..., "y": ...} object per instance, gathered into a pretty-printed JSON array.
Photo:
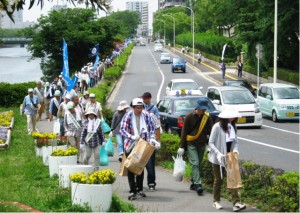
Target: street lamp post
[
  {"x": 164, "y": 30},
  {"x": 173, "y": 29},
  {"x": 193, "y": 29}
]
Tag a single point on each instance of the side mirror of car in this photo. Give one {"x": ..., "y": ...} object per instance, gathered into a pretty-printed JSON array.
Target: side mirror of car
[
  {"x": 217, "y": 102},
  {"x": 269, "y": 97}
]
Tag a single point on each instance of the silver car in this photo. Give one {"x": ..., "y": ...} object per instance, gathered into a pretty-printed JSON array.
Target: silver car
[{"x": 165, "y": 58}]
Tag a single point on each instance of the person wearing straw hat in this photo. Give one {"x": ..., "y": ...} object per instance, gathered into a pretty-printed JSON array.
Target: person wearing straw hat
[
  {"x": 197, "y": 125},
  {"x": 48, "y": 95},
  {"x": 115, "y": 127},
  {"x": 223, "y": 139},
  {"x": 91, "y": 137},
  {"x": 73, "y": 126},
  {"x": 84, "y": 99},
  {"x": 61, "y": 113},
  {"x": 30, "y": 106}
]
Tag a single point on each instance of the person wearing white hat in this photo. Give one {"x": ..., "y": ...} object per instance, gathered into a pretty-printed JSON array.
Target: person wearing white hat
[
  {"x": 30, "y": 106},
  {"x": 54, "y": 105},
  {"x": 73, "y": 126},
  {"x": 134, "y": 125},
  {"x": 84, "y": 99},
  {"x": 48, "y": 95},
  {"x": 61, "y": 113},
  {"x": 96, "y": 106},
  {"x": 223, "y": 139},
  {"x": 115, "y": 126},
  {"x": 39, "y": 92},
  {"x": 91, "y": 137}
]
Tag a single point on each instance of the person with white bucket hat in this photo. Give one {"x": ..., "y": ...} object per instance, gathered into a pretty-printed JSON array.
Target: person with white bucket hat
[
  {"x": 115, "y": 127},
  {"x": 223, "y": 139}
]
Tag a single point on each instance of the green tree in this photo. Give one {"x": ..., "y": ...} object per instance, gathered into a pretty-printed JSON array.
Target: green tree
[
  {"x": 80, "y": 29},
  {"x": 127, "y": 20}
]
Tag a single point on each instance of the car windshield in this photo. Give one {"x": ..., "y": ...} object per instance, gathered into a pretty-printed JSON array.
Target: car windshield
[
  {"x": 158, "y": 45},
  {"x": 286, "y": 93},
  {"x": 185, "y": 85},
  {"x": 241, "y": 83},
  {"x": 237, "y": 97},
  {"x": 185, "y": 106},
  {"x": 165, "y": 55},
  {"x": 178, "y": 60}
]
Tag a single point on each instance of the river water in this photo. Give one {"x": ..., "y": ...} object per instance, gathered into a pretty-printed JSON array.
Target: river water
[{"x": 15, "y": 66}]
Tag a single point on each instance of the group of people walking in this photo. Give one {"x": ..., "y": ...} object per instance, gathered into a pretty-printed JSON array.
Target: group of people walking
[{"x": 79, "y": 119}]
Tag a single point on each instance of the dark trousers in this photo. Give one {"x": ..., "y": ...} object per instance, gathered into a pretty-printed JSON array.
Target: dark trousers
[
  {"x": 223, "y": 73},
  {"x": 135, "y": 181},
  {"x": 150, "y": 166},
  {"x": 62, "y": 128},
  {"x": 240, "y": 73}
]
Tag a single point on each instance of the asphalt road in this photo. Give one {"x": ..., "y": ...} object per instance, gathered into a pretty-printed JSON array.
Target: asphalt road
[{"x": 275, "y": 144}]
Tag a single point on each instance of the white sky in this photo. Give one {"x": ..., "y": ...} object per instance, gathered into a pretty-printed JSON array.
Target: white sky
[{"x": 117, "y": 5}]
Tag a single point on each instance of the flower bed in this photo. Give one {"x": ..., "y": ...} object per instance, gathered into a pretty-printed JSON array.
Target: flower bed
[
  {"x": 94, "y": 189},
  {"x": 6, "y": 125}
]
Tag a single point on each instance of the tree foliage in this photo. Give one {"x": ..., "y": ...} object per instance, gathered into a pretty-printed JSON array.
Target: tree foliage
[{"x": 80, "y": 29}]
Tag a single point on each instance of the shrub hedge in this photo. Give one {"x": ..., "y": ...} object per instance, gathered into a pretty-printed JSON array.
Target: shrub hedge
[
  {"x": 285, "y": 75},
  {"x": 270, "y": 189},
  {"x": 13, "y": 94},
  {"x": 112, "y": 73}
]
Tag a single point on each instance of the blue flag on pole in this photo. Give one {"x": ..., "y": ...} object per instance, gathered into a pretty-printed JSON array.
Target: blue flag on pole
[
  {"x": 96, "y": 62},
  {"x": 94, "y": 51},
  {"x": 65, "y": 59}
]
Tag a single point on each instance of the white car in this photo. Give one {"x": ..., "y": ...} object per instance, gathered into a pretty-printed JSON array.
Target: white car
[
  {"x": 165, "y": 58},
  {"x": 188, "y": 86},
  {"x": 237, "y": 98},
  {"x": 158, "y": 47}
]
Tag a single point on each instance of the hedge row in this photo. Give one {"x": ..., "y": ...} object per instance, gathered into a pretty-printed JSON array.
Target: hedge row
[
  {"x": 285, "y": 75},
  {"x": 270, "y": 189},
  {"x": 13, "y": 94},
  {"x": 211, "y": 45}
]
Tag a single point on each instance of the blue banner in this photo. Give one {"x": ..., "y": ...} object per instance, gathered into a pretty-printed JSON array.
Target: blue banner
[
  {"x": 70, "y": 82},
  {"x": 96, "y": 62},
  {"x": 94, "y": 51},
  {"x": 65, "y": 60}
]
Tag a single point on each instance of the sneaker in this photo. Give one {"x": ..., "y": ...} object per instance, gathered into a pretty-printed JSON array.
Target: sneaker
[
  {"x": 192, "y": 186},
  {"x": 217, "y": 205},
  {"x": 238, "y": 207},
  {"x": 199, "y": 189},
  {"x": 151, "y": 187},
  {"x": 132, "y": 196},
  {"x": 120, "y": 159},
  {"x": 141, "y": 194}
]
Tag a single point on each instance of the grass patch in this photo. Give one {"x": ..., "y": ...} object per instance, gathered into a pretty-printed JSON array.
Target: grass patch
[
  {"x": 10, "y": 208},
  {"x": 25, "y": 179}
]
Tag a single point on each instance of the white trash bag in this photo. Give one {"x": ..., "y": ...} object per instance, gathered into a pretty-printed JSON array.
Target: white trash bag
[
  {"x": 56, "y": 126},
  {"x": 179, "y": 168}
]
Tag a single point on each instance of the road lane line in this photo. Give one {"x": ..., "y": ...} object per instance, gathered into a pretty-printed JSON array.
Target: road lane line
[
  {"x": 162, "y": 75},
  {"x": 283, "y": 130},
  {"x": 272, "y": 146}
]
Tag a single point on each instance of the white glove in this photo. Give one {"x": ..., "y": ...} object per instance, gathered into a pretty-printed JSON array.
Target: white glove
[
  {"x": 135, "y": 137},
  {"x": 82, "y": 146},
  {"x": 180, "y": 151},
  {"x": 157, "y": 145},
  {"x": 220, "y": 158},
  {"x": 110, "y": 134},
  {"x": 103, "y": 143}
]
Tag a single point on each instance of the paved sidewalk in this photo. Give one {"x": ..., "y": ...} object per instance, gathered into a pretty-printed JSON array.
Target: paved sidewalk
[{"x": 169, "y": 196}]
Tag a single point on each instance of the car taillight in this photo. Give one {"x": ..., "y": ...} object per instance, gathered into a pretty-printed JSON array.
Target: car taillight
[{"x": 180, "y": 122}]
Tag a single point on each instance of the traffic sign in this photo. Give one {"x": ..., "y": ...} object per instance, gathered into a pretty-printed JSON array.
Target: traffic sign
[
  {"x": 258, "y": 55},
  {"x": 259, "y": 47}
]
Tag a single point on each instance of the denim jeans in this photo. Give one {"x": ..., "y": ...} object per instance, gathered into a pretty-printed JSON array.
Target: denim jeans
[
  {"x": 150, "y": 166},
  {"x": 120, "y": 142},
  {"x": 62, "y": 128}
]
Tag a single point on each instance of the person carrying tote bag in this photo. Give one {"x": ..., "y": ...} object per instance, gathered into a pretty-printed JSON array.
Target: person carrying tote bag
[
  {"x": 91, "y": 137},
  {"x": 222, "y": 142}
]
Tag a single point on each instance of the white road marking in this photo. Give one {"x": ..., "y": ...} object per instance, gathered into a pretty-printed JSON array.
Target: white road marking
[
  {"x": 162, "y": 75},
  {"x": 272, "y": 146},
  {"x": 283, "y": 130}
]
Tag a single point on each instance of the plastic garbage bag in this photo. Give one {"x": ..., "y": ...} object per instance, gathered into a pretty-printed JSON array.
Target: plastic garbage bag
[
  {"x": 179, "y": 168},
  {"x": 109, "y": 147},
  {"x": 104, "y": 160}
]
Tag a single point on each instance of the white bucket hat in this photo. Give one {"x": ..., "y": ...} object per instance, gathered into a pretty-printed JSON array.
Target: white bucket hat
[
  {"x": 122, "y": 105},
  {"x": 30, "y": 90},
  {"x": 229, "y": 113},
  {"x": 91, "y": 110},
  {"x": 92, "y": 95},
  {"x": 68, "y": 96}
]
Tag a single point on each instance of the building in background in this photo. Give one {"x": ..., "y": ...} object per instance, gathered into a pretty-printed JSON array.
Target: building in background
[
  {"x": 143, "y": 9},
  {"x": 7, "y": 23},
  {"x": 169, "y": 3}
]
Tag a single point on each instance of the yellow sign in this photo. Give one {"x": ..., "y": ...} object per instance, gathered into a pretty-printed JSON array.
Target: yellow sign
[
  {"x": 290, "y": 114},
  {"x": 241, "y": 120}
]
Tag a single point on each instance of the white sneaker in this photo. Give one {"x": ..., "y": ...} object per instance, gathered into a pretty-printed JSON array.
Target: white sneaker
[
  {"x": 238, "y": 207},
  {"x": 217, "y": 205}
]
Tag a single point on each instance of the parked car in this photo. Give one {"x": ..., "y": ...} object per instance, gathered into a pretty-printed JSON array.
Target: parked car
[
  {"x": 175, "y": 86},
  {"x": 240, "y": 83},
  {"x": 173, "y": 109},
  {"x": 237, "y": 98},
  {"x": 158, "y": 47},
  {"x": 280, "y": 101},
  {"x": 142, "y": 43},
  {"x": 165, "y": 58},
  {"x": 178, "y": 64}
]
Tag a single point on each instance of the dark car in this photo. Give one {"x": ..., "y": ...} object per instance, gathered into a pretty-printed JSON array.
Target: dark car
[
  {"x": 240, "y": 83},
  {"x": 178, "y": 64},
  {"x": 173, "y": 109}
]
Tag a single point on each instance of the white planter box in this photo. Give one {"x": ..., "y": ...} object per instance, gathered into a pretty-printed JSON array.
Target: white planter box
[
  {"x": 97, "y": 196},
  {"x": 47, "y": 151},
  {"x": 38, "y": 152},
  {"x": 66, "y": 170},
  {"x": 56, "y": 161}
]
